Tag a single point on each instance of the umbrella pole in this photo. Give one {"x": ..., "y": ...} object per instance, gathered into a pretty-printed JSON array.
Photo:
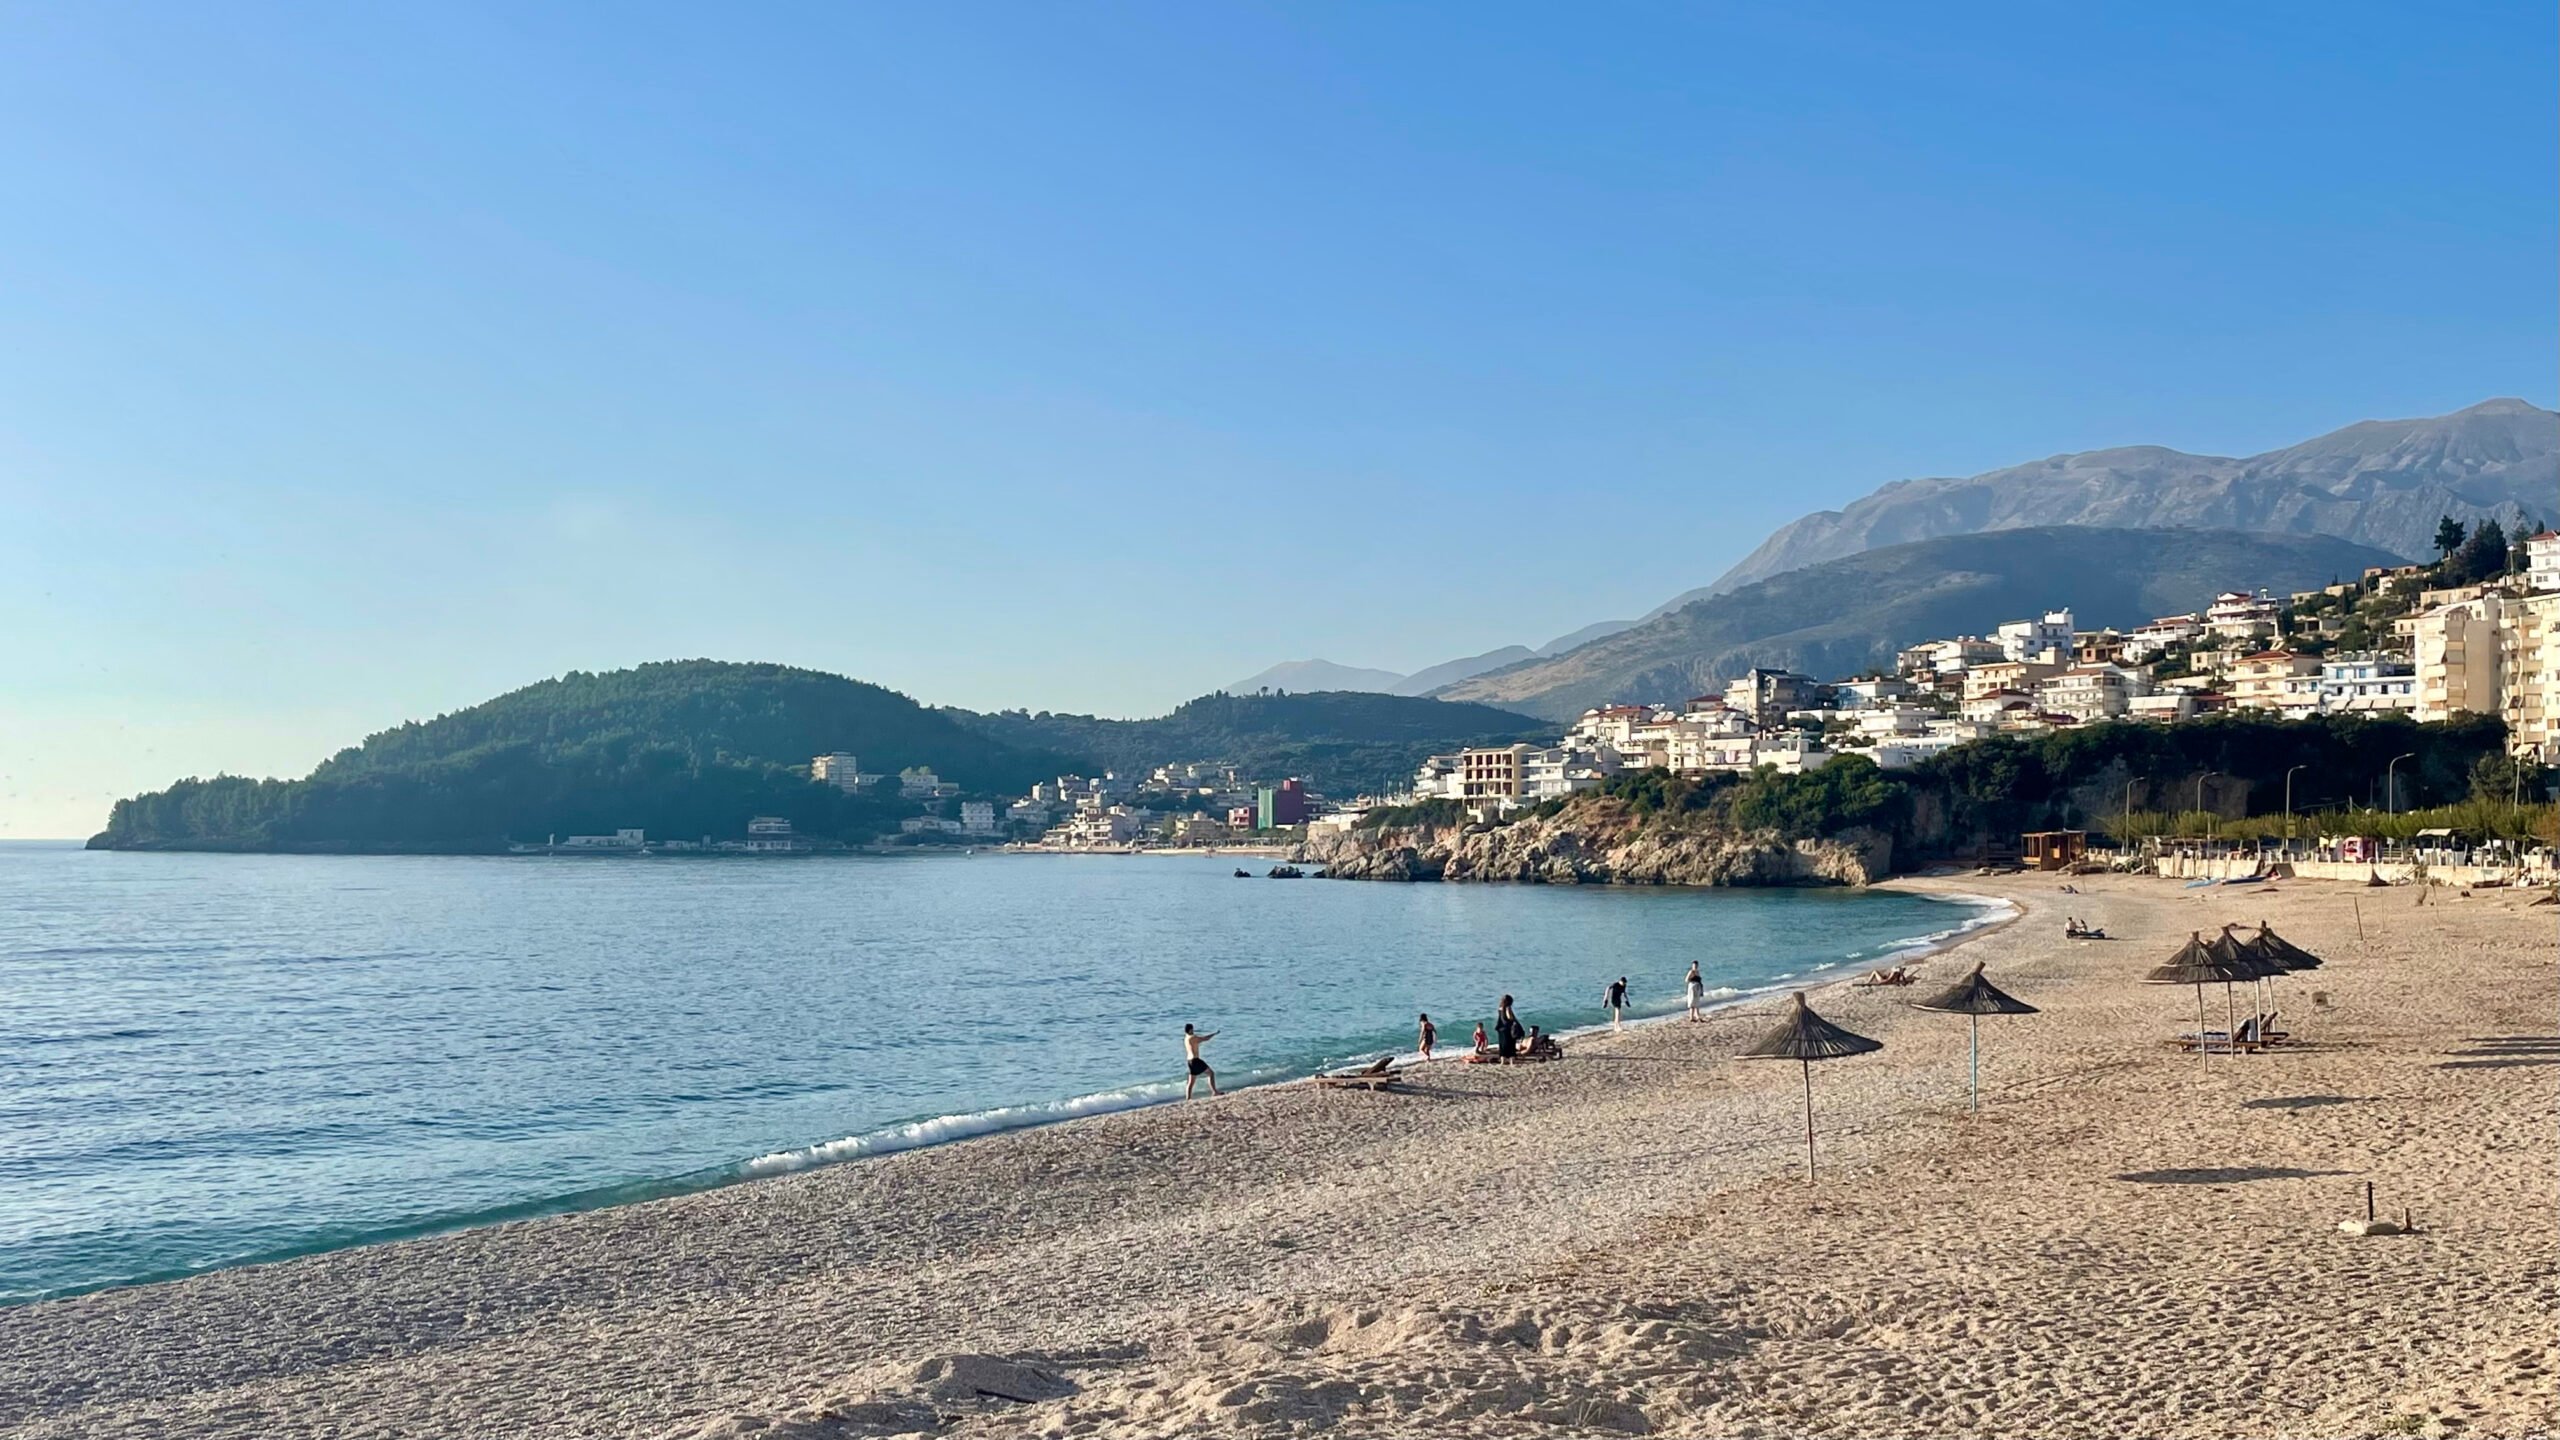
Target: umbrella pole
[
  {"x": 1808, "y": 1120},
  {"x": 2203, "y": 1049},
  {"x": 2230, "y": 1018},
  {"x": 1973, "y": 1053}
]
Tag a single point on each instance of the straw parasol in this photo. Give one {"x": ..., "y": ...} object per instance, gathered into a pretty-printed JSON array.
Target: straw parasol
[
  {"x": 2199, "y": 964},
  {"x": 1806, "y": 1037},
  {"x": 1975, "y": 997},
  {"x": 2276, "y": 950},
  {"x": 2230, "y": 948}
]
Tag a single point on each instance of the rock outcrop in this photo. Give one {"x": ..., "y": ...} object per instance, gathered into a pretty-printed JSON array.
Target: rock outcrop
[{"x": 1604, "y": 844}]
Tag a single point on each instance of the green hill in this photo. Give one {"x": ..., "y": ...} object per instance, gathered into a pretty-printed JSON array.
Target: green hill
[
  {"x": 688, "y": 748},
  {"x": 1844, "y": 616},
  {"x": 681, "y": 749},
  {"x": 1339, "y": 741}
]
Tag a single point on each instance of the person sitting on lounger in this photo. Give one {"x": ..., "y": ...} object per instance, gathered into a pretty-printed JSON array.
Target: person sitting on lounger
[{"x": 1543, "y": 1047}]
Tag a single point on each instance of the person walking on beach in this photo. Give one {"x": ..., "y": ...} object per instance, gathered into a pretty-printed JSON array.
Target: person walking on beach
[
  {"x": 1697, "y": 990},
  {"x": 1617, "y": 1001},
  {"x": 1192, "y": 1040},
  {"x": 1430, "y": 1034}
]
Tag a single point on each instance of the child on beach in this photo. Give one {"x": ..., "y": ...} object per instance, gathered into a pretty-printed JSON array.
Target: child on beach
[{"x": 1431, "y": 1034}]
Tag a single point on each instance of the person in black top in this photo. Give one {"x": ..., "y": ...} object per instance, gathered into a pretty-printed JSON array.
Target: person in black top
[{"x": 1617, "y": 1000}]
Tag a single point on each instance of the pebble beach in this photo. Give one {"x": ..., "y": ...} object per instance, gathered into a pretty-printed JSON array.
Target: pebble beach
[{"x": 2127, "y": 1240}]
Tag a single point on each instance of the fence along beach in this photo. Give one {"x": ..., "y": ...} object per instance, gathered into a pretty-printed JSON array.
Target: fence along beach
[{"x": 2123, "y": 1241}]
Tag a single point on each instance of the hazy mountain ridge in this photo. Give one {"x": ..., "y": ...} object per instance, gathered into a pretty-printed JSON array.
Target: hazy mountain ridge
[
  {"x": 1296, "y": 676},
  {"x": 1853, "y": 613},
  {"x": 2382, "y": 483}
]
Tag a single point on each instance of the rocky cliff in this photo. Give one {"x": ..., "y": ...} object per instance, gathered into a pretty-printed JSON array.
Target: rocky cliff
[{"x": 1603, "y": 844}]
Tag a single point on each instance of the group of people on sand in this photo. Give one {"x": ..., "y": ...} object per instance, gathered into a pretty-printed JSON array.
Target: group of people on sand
[{"x": 1510, "y": 1043}]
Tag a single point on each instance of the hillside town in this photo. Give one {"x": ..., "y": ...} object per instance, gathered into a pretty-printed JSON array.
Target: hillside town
[{"x": 2471, "y": 634}]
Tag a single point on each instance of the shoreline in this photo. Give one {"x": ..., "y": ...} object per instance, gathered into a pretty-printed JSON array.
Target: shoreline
[
  {"x": 966, "y": 1127},
  {"x": 2124, "y": 1241}
]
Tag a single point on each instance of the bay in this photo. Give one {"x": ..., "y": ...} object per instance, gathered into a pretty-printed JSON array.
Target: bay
[{"x": 213, "y": 1059}]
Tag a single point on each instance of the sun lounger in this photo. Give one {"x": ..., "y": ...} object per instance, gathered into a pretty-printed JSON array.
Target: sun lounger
[{"x": 1374, "y": 1076}]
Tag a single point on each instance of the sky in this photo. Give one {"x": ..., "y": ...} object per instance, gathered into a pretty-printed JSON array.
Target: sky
[{"x": 358, "y": 363}]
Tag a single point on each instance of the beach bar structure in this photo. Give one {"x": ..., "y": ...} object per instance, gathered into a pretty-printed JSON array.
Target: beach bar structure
[{"x": 2053, "y": 849}]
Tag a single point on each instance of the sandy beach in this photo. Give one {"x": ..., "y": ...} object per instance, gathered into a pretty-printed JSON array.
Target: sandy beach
[{"x": 2125, "y": 1242}]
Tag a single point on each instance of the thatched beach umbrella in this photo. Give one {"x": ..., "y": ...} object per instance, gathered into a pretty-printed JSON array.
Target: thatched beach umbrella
[
  {"x": 2274, "y": 949},
  {"x": 2196, "y": 964},
  {"x": 1806, "y": 1037},
  {"x": 1974, "y": 997},
  {"x": 2231, "y": 949}
]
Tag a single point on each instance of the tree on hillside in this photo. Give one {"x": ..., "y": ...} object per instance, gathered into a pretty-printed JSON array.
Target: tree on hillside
[
  {"x": 2482, "y": 557},
  {"x": 2448, "y": 534}
]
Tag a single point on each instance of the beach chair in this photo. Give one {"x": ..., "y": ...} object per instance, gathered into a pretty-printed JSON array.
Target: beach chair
[
  {"x": 1377, "y": 1075},
  {"x": 2220, "y": 1043}
]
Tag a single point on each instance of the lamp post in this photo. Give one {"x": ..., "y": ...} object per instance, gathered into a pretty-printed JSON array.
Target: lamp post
[
  {"x": 2390, "y": 783},
  {"x": 2288, "y": 807},
  {"x": 2199, "y": 805},
  {"x": 2128, "y": 812}
]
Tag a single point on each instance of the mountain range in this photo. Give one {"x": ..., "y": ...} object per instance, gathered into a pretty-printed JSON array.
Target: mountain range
[
  {"x": 1847, "y": 616},
  {"x": 2381, "y": 484}
]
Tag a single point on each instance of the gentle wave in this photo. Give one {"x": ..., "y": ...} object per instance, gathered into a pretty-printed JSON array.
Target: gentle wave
[{"x": 942, "y": 1129}]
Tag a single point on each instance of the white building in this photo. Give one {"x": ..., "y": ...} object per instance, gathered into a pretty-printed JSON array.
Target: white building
[
  {"x": 2364, "y": 680},
  {"x": 2092, "y": 692},
  {"x": 2542, "y": 561},
  {"x": 1995, "y": 707},
  {"x": 1904, "y": 750},
  {"x": 1115, "y": 826},
  {"x": 1030, "y": 812},
  {"x": 771, "y": 835},
  {"x": 2035, "y": 639},
  {"x": 1561, "y": 770},
  {"x": 928, "y": 825},
  {"x": 2235, "y": 615},
  {"x": 1871, "y": 691},
  {"x": 839, "y": 769},
  {"x": 2162, "y": 707},
  {"x": 978, "y": 817},
  {"x": 618, "y": 840},
  {"x": 1436, "y": 778},
  {"x": 1889, "y": 720},
  {"x": 2148, "y": 642}
]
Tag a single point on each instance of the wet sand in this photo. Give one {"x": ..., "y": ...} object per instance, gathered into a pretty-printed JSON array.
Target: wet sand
[{"x": 2126, "y": 1242}]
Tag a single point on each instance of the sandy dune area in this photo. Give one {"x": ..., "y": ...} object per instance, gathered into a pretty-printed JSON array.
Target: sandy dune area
[{"x": 2127, "y": 1241}]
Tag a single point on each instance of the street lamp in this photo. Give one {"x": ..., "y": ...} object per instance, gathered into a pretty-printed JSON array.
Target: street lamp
[
  {"x": 2288, "y": 805},
  {"x": 2199, "y": 805},
  {"x": 2390, "y": 783}
]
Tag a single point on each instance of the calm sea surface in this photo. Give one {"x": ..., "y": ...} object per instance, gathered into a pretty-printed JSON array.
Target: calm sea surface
[{"x": 206, "y": 1059}]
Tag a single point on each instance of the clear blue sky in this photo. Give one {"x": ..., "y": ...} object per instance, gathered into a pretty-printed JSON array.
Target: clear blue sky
[{"x": 359, "y": 362}]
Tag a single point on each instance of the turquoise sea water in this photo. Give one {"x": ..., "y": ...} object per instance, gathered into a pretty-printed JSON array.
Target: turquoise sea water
[{"x": 206, "y": 1059}]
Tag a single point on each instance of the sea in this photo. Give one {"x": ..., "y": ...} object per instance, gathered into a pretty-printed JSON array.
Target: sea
[{"x": 211, "y": 1060}]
